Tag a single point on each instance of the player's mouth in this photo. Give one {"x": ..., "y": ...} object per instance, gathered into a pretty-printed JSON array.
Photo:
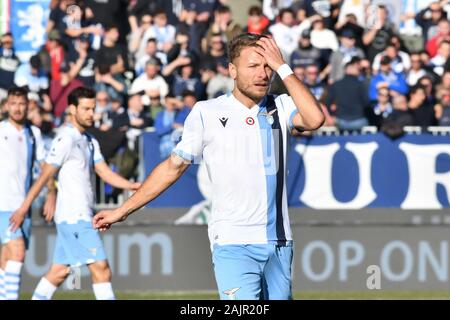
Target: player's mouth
[{"x": 261, "y": 85}]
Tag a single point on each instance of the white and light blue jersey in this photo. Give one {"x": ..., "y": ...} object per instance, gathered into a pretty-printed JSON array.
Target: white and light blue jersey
[
  {"x": 75, "y": 154},
  {"x": 19, "y": 150},
  {"x": 244, "y": 150}
]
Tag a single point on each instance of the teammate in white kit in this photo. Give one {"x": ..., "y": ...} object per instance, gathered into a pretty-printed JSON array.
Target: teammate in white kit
[
  {"x": 242, "y": 139},
  {"x": 21, "y": 147},
  {"x": 74, "y": 154}
]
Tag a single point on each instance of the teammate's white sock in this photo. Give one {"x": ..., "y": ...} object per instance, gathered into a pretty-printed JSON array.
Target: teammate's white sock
[
  {"x": 2, "y": 285},
  {"x": 103, "y": 291},
  {"x": 12, "y": 279},
  {"x": 44, "y": 290}
]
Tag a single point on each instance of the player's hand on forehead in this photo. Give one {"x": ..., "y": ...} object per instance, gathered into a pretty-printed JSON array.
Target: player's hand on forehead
[{"x": 270, "y": 51}]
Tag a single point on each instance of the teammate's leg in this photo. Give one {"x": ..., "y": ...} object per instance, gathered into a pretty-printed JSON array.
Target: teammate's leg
[
  {"x": 14, "y": 254},
  {"x": 101, "y": 280},
  {"x": 51, "y": 281},
  {"x": 2, "y": 274}
]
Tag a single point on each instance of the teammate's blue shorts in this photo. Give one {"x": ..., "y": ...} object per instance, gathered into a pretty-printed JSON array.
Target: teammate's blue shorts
[
  {"x": 77, "y": 244},
  {"x": 253, "y": 271},
  {"x": 5, "y": 231}
]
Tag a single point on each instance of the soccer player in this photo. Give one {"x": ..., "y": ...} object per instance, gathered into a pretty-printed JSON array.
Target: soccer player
[
  {"x": 73, "y": 155},
  {"x": 242, "y": 137},
  {"x": 21, "y": 147}
]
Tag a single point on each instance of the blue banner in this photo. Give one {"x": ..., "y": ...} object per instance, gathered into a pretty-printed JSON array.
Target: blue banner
[
  {"x": 341, "y": 172},
  {"x": 27, "y": 23}
]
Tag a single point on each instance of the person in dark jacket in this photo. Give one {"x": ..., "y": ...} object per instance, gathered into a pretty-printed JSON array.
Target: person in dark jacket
[{"x": 348, "y": 98}]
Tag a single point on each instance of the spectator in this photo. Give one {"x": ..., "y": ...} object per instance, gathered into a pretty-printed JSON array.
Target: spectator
[
  {"x": 111, "y": 53},
  {"x": 386, "y": 78},
  {"x": 442, "y": 108},
  {"x": 347, "y": 98},
  {"x": 400, "y": 116},
  {"x": 313, "y": 81},
  {"x": 443, "y": 34},
  {"x": 306, "y": 54},
  {"x": 400, "y": 61},
  {"x": 187, "y": 80},
  {"x": 136, "y": 43},
  {"x": 164, "y": 125},
  {"x": 421, "y": 110},
  {"x": 323, "y": 38},
  {"x": 383, "y": 107},
  {"x": 113, "y": 84},
  {"x": 151, "y": 52},
  {"x": 438, "y": 62},
  {"x": 103, "y": 109},
  {"x": 52, "y": 55},
  {"x": 189, "y": 100},
  {"x": 32, "y": 76},
  {"x": 285, "y": 33},
  {"x": 216, "y": 52},
  {"x": 416, "y": 72},
  {"x": 256, "y": 23},
  {"x": 9, "y": 64},
  {"x": 136, "y": 117},
  {"x": 350, "y": 22},
  {"x": 150, "y": 82},
  {"x": 377, "y": 36},
  {"x": 347, "y": 50},
  {"x": 428, "y": 20},
  {"x": 223, "y": 24},
  {"x": 221, "y": 82},
  {"x": 163, "y": 32},
  {"x": 82, "y": 62}
]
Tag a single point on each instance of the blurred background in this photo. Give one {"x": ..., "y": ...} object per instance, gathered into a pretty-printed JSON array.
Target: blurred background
[{"x": 368, "y": 192}]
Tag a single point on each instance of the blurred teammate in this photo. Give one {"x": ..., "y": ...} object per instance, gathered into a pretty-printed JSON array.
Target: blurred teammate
[
  {"x": 242, "y": 139},
  {"x": 74, "y": 155},
  {"x": 21, "y": 146}
]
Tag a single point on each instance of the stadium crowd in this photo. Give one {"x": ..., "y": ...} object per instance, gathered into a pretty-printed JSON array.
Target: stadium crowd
[{"x": 367, "y": 62}]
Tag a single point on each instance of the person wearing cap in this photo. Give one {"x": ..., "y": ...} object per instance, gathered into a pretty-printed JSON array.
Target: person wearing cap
[
  {"x": 388, "y": 78},
  {"x": 347, "y": 50},
  {"x": 306, "y": 53},
  {"x": 347, "y": 98},
  {"x": 9, "y": 62}
]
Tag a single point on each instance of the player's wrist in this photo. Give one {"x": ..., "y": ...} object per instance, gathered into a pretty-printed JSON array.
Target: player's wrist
[{"x": 284, "y": 71}]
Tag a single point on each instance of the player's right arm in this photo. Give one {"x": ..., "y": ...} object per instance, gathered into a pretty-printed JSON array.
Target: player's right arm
[
  {"x": 161, "y": 178},
  {"x": 19, "y": 215}
]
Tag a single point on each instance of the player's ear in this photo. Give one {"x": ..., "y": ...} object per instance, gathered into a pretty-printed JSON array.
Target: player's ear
[
  {"x": 232, "y": 70},
  {"x": 72, "y": 109}
]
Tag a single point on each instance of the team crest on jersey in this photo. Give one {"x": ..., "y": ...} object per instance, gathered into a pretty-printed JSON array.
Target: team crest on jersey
[{"x": 250, "y": 121}]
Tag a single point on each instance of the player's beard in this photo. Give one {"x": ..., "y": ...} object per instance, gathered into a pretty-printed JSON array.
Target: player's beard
[{"x": 254, "y": 95}]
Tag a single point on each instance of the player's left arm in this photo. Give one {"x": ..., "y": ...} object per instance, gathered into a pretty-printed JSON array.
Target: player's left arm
[
  {"x": 309, "y": 116},
  {"x": 114, "y": 179}
]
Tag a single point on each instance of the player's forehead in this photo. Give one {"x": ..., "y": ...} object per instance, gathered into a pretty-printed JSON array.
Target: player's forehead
[
  {"x": 86, "y": 103},
  {"x": 249, "y": 55}
]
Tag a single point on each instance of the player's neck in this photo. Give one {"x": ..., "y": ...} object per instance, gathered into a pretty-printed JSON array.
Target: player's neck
[
  {"x": 78, "y": 126},
  {"x": 18, "y": 125},
  {"x": 245, "y": 100}
]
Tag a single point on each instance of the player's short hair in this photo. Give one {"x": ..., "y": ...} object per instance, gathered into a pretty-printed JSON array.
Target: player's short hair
[
  {"x": 18, "y": 92},
  {"x": 242, "y": 41},
  {"x": 80, "y": 93}
]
